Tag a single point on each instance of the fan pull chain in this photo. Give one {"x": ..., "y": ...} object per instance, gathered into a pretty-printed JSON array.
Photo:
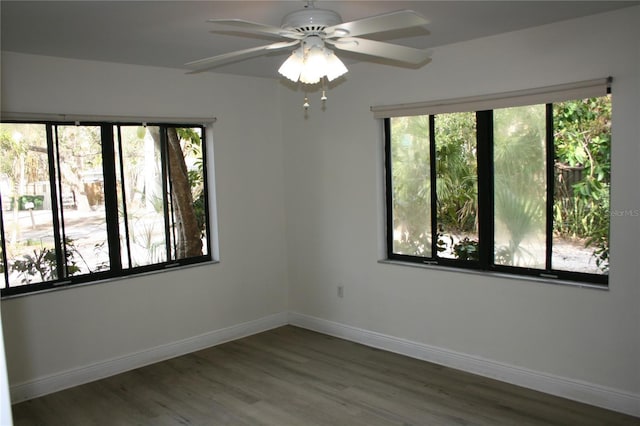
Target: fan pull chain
[
  {"x": 324, "y": 91},
  {"x": 323, "y": 97}
]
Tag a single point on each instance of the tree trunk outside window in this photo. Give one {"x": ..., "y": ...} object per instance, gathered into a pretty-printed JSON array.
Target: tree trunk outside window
[{"x": 188, "y": 242}]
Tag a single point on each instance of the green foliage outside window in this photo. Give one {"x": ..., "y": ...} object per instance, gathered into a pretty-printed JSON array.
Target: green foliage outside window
[
  {"x": 582, "y": 138},
  {"x": 582, "y": 148},
  {"x": 456, "y": 172}
]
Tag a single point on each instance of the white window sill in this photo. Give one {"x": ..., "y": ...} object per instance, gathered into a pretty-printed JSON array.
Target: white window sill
[{"x": 492, "y": 274}]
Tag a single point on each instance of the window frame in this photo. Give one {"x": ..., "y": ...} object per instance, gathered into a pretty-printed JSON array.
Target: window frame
[
  {"x": 112, "y": 159},
  {"x": 486, "y": 205}
]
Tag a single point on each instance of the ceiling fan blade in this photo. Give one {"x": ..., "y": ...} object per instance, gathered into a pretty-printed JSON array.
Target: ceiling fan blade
[
  {"x": 380, "y": 49},
  {"x": 255, "y": 27},
  {"x": 215, "y": 61},
  {"x": 375, "y": 24}
]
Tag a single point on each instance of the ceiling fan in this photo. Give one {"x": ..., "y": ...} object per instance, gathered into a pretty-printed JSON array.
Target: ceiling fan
[{"x": 312, "y": 30}]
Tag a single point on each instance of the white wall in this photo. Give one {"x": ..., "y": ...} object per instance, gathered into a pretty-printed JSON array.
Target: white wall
[
  {"x": 334, "y": 195},
  {"x": 54, "y": 333}
]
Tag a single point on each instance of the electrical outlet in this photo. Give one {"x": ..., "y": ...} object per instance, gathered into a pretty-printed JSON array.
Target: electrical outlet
[{"x": 340, "y": 291}]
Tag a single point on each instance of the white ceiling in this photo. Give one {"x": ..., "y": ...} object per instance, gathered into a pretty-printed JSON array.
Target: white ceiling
[{"x": 171, "y": 33}]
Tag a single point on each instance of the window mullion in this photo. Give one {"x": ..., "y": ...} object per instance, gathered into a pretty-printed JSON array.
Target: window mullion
[
  {"x": 123, "y": 190},
  {"x": 57, "y": 216},
  {"x": 164, "y": 158},
  {"x": 110, "y": 196},
  {"x": 550, "y": 185},
  {"x": 388, "y": 186},
  {"x": 434, "y": 195},
  {"x": 484, "y": 128},
  {"x": 205, "y": 178},
  {"x": 171, "y": 202}
]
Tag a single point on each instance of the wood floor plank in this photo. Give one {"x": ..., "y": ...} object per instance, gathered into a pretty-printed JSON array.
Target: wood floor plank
[{"x": 291, "y": 376}]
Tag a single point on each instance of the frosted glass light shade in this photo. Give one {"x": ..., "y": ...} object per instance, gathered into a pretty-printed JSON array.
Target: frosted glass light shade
[
  {"x": 335, "y": 67},
  {"x": 310, "y": 65},
  {"x": 292, "y": 67},
  {"x": 315, "y": 64}
]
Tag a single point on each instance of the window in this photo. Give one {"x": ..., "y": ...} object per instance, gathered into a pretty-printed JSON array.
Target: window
[
  {"x": 88, "y": 201},
  {"x": 518, "y": 189}
]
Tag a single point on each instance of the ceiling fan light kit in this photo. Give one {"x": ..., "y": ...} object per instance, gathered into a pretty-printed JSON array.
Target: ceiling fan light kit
[{"x": 312, "y": 62}]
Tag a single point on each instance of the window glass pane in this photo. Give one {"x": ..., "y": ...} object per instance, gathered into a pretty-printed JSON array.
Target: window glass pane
[
  {"x": 26, "y": 204},
  {"x": 457, "y": 185},
  {"x": 81, "y": 193},
  {"x": 520, "y": 186},
  {"x": 411, "y": 188},
  {"x": 145, "y": 241},
  {"x": 582, "y": 143},
  {"x": 187, "y": 196}
]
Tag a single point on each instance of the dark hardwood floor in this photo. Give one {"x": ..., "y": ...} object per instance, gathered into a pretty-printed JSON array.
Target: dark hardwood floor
[{"x": 291, "y": 376}]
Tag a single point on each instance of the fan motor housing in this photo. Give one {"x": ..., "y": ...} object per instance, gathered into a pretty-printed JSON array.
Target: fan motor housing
[{"x": 311, "y": 20}]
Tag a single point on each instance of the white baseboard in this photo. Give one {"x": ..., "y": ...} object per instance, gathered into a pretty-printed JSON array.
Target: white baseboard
[
  {"x": 77, "y": 376},
  {"x": 588, "y": 393},
  {"x": 600, "y": 396}
]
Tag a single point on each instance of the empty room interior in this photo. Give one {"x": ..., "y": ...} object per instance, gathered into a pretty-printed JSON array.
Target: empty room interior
[{"x": 430, "y": 195}]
